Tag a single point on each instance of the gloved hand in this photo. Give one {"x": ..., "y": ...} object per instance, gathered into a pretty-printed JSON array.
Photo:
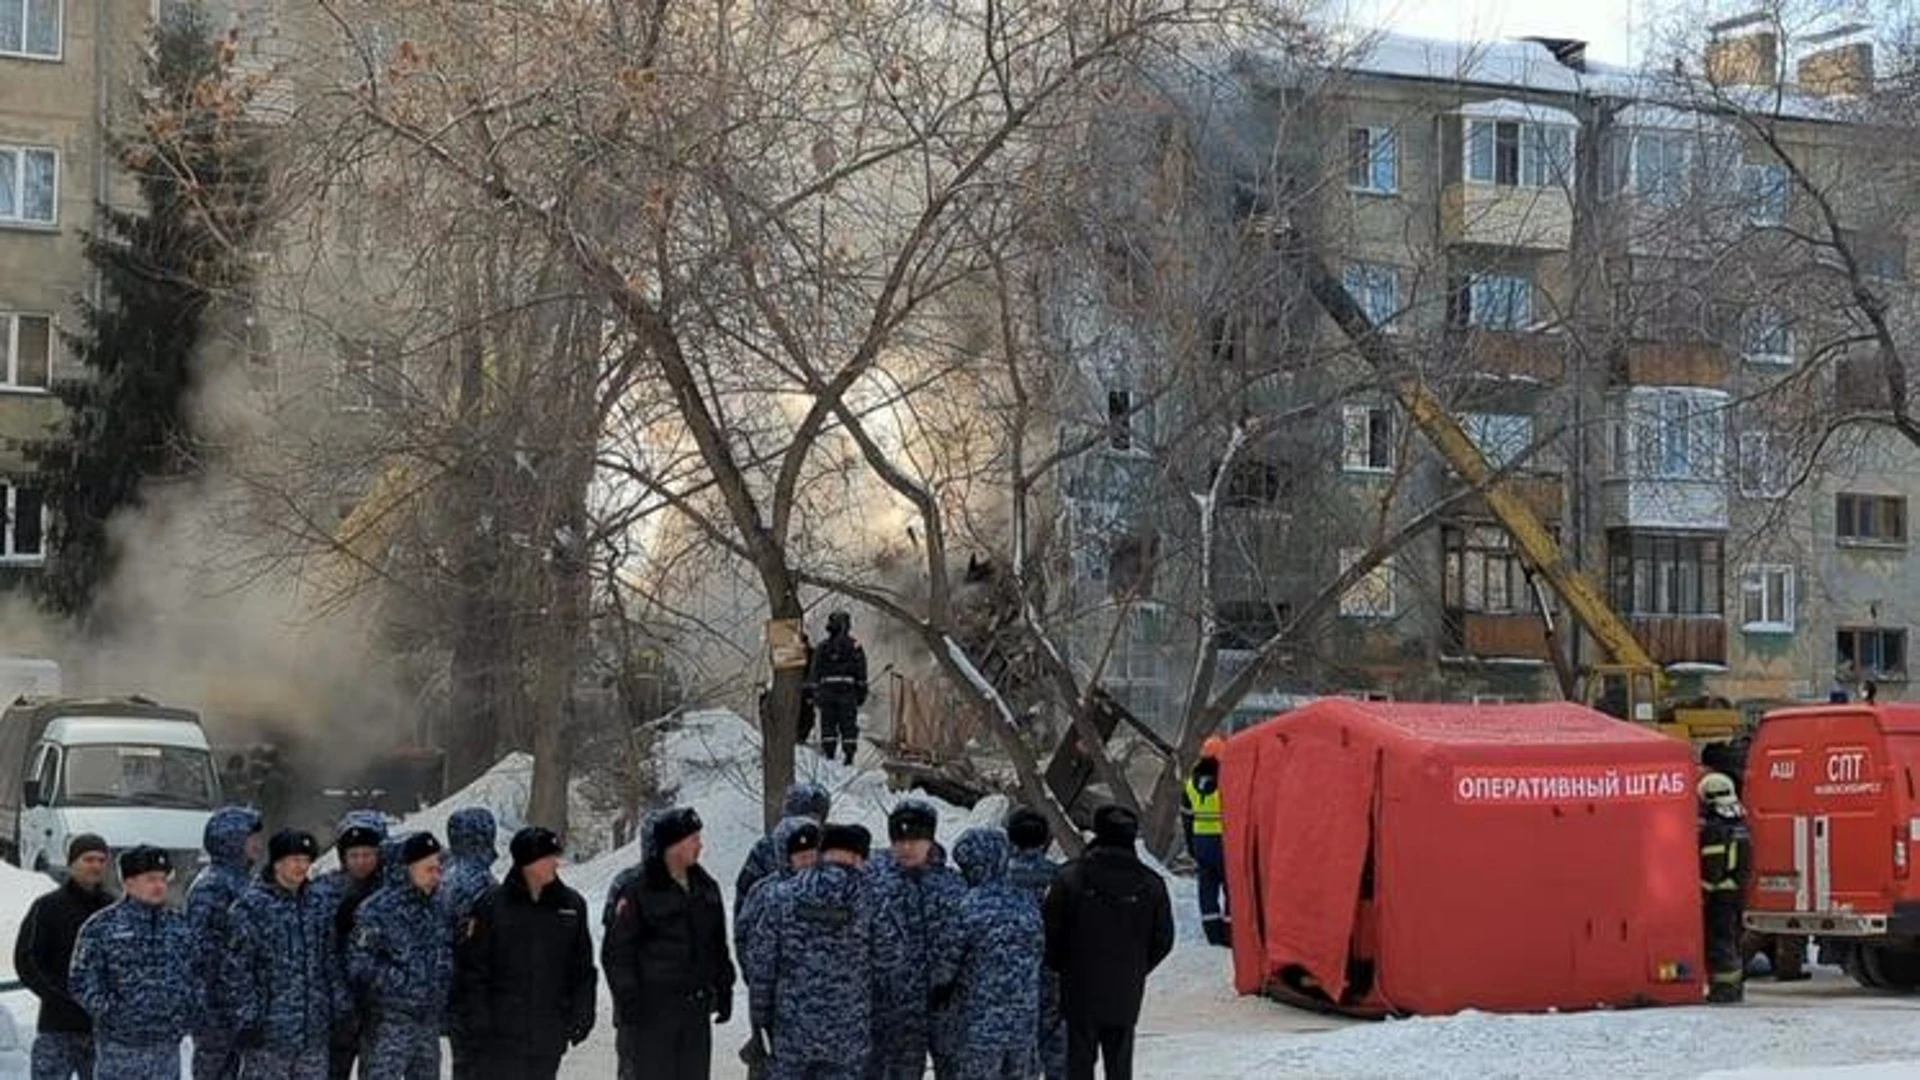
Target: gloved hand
[
  {"x": 578, "y": 1033},
  {"x": 723, "y": 1009},
  {"x": 941, "y": 995}
]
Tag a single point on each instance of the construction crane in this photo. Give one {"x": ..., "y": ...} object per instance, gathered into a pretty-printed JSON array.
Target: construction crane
[{"x": 1632, "y": 685}]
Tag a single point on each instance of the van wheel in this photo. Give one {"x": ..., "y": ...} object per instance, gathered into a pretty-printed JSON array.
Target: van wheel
[
  {"x": 1892, "y": 968},
  {"x": 1856, "y": 965}
]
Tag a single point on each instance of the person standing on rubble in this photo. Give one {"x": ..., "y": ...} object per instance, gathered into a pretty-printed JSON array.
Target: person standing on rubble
[
  {"x": 837, "y": 678},
  {"x": 1205, "y": 819},
  {"x": 1726, "y": 862}
]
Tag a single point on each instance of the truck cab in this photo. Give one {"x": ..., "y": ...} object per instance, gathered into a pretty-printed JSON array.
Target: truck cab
[
  {"x": 128, "y": 769},
  {"x": 1830, "y": 792}
]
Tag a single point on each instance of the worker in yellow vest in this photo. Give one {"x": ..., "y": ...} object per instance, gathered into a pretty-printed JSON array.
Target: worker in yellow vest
[{"x": 1205, "y": 822}]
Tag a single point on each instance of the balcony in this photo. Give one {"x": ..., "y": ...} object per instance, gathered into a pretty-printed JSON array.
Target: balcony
[
  {"x": 1507, "y": 637},
  {"x": 1491, "y": 215},
  {"x": 1509, "y": 355},
  {"x": 1545, "y": 495},
  {"x": 1643, "y": 503},
  {"x": 1682, "y": 639},
  {"x": 1673, "y": 363}
]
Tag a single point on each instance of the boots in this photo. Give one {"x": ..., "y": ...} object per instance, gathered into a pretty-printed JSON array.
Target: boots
[
  {"x": 1217, "y": 931},
  {"x": 1730, "y": 992}
]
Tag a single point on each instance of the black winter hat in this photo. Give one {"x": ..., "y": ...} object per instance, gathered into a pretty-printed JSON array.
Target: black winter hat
[
  {"x": 803, "y": 838},
  {"x": 1115, "y": 826},
  {"x": 418, "y": 846},
  {"x": 355, "y": 836},
  {"x": 84, "y": 844},
  {"x": 1027, "y": 829},
  {"x": 674, "y": 826},
  {"x": 144, "y": 859},
  {"x": 291, "y": 842},
  {"x": 532, "y": 844},
  {"x": 854, "y": 838},
  {"x": 807, "y": 799},
  {"x": 912, "y": 820}
]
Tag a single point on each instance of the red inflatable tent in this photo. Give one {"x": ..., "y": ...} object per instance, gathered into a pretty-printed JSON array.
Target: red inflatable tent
[{"x": 1420, "y": 859}]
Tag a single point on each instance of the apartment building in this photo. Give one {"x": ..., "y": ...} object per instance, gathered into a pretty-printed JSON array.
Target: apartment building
[{"x": 1606, "y": 277}]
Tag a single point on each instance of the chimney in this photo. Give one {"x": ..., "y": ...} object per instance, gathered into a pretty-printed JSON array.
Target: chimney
[
  {"x": 1841, "y": 63},
  {"x": 1744, "y": 51}
]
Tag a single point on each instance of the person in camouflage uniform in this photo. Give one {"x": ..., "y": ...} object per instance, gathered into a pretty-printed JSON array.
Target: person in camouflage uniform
[
  {"x": 989, "y": 965},
  {"x": 471, "y": 834},
  {"x": 282, "y": 975},
  {"x": 917, "y": 894},
  {"x": 232, "y": 839},
  {"x": 1032, "y": 870},
  {"x": 818, "y": 949},
  {"x": 357, "y": 842},
  {"x": 798, "y": 839},
  {"x": 133, "y": 972},
  {"x": 400, "y": 964},
  {"x": 805, "y": 799}
]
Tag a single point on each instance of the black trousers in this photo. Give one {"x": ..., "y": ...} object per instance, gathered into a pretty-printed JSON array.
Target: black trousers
[
  {"x": 839, "y": 724},
  {"x": 505, "y": 1063},
  {"x": 342, "y": 1047},
  {"x": 1726, "y": 967},
  {"x": 470, "y": 1058},
  {"x": 1109, "y": 1044},
  {"x": 677, "y": 1044}
]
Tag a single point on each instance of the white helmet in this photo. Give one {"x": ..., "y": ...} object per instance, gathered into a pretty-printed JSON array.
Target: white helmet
[{"x": 1716, "y": 789}]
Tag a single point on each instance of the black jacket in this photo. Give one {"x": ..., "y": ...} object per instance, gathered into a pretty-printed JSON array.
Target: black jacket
[
  {"x": 668, "y": 945},
  {"x": 43, "y": 953},
  {"x": 525, "y": 971},
  {"x": 837, "y": 673},
  {"x": 1109, "y": 923}
]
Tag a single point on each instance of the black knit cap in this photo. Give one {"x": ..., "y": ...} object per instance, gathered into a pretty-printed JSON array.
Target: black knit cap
[
  {"x": 357, "y": 836},
  {"x": 418, "y": 846},
  {"x": 854, "y": 838},
  {"x": 803, "y": 838},
  {"x": 1028, "y": 830},
  {"x": 1115, "y": 826},
  {"x": 912, "y": 820},
  {"x": 288, "y": 842},
  {"x": 144, "y": 859},
  {"x": 673, "y": 826},
  {"x": 84, "y": 844},
  {"x": 532, "y": 844}
]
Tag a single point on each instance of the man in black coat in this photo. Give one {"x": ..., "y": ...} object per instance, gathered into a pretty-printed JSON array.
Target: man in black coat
[
  {"x": 667, "y": 958},
  {"x": 525, "y": 969},
  {"x": 1109, "y": 923},
  {"x": 837, "y": 678},
  {"x": 43, "y": 953}
]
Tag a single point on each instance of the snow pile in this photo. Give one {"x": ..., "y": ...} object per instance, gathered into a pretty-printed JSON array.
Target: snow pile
[{"x": 1898, "y": 1070}]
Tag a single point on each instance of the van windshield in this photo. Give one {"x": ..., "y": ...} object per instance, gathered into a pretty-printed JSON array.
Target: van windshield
[{"x": 135, "y": 775}]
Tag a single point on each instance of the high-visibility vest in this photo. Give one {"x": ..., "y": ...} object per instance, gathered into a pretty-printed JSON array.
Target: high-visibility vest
[{"x": 1205, "y": 811}]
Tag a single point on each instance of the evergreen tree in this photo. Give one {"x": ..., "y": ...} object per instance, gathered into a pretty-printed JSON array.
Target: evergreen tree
[{"x": 165, "y": 271}]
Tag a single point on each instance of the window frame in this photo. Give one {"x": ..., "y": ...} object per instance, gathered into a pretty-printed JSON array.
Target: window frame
[
  {"x": 1357, "y": 439},
  {"x": 1859, "y": 634},
  {"x": 1479, "y": 427},
  {"x": 1768, "y": 321},
  {"x": 10, "y": 352},
  {"x": 1673, "y": 193},
  {"x": 1531, "y": 149},
  {"x": 1381, "y": 578},
  {"x": 1848, "y": 509},
  {"x": 1768, "y": 204},
  {"x": 25, "y": 52},
  {"x": 1651, "y": 578},
  {"x": 1377, "y": 136},
  {"x": 1495, "y": 554},
  {"x": 17, "y": 220},
  {"x": 1363, "y": 281},
  {"x": 1755, "y": 581},
  {"x": 1772, "y": 457},
  {"x": 9, "y": 506}
]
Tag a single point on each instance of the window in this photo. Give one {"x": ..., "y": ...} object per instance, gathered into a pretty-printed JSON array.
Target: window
[
  {"x": 47, "y": 771},
  {"x": 1871, "y": 653},
  {"x": 1765, "y": 190},
  {"x": 30, "y": 28},
  {"x": 29, "y": 181},
  {"x": 1510, "y": 153},
  {"x": 26, "y": 351},
  {"x": 1678, "y": 437},
  {"x": 1493, "y": 302},
  {"x": 1766, "y": 600},
  {"x": 1376, "y": 289},
  {"x": 1880, "y": 255},
  {"x": 1766, "y": 336},
  {"x": 131, "y": 774},
  {"x": 1372, "y": 160},
  {"x": 1665, "y": 574},
  {"x": 1252, "y": 484},
  {"x": 1502, "y": 437},
  {"x": 1483, "y": 573},
  {"x": 1368, "y": 438},
  {"x": 1371, "y": 597},
  {"x": 1548, "y": 161},
  {"x": 1870, "y": 519},
  {"x": 1763, "y": 465},
  {"x": 23, "y": 530},
  {"x": 1661, "y": 166}
]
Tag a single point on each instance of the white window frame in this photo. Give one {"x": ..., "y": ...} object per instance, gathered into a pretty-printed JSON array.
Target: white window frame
[
  {"x": 1672, "y": 145},
  {"x": 25, "y": 52},
  {"x": 1763, "y": 459},
  {"x": 1501, "y": 437},
  {"x": 1675, "y": 438},
  {"x": 1376, "y": 288},
  {"x": 1754, "y": 582},
  {"x": 1356, "y": 439},
  {"x": 10, "y": 351},
  {"x": 9, "y": 497},
  {"x": 1762, "y": 322},
  {"x": 1542, "y": 164},
  {"x": 20, "y": 152},
  {"x": 1373, "y": 596},
  {"x": 1383, "y": 154}
]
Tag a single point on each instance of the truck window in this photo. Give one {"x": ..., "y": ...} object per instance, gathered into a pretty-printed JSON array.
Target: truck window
[
  {"x": 47, "y": 771},
  {"x": 123, "y": 775}
]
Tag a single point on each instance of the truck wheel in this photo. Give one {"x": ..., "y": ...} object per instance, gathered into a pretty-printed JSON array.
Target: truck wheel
[
  {"x": 1896, "y": 969},
  {"x": 1857, "y": 968},
  {"x": 1790, "y": 959}
]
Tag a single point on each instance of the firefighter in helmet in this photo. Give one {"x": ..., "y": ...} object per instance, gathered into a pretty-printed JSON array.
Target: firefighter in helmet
[
  {"x": 1205, "y": 820},
  {"x": 1726, "y": 861}
]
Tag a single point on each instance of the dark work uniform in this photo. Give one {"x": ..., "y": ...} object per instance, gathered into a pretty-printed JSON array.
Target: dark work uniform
[
  {"x": 526, "y": 978},
  {"x": 1109, "y": 923},
  {"x": 42, "y": 954},
  {"x": 1726, "y": 859},
  {"x": 668, "y": 962},
  {"x": 838, "y": 679}
]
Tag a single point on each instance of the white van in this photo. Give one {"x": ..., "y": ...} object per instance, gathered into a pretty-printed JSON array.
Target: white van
[{"x": 127, "y": 769}]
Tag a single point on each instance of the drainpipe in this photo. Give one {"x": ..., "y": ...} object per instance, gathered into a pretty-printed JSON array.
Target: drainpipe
[{"x": 103, "y": 126}]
